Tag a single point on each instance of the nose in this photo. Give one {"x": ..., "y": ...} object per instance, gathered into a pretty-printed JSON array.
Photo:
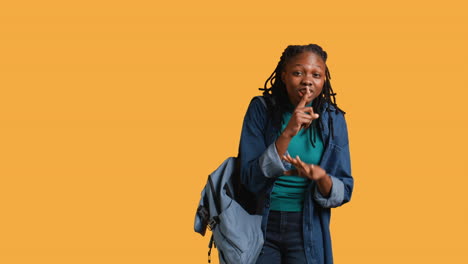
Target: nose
[{"x": 306, "y": 81}]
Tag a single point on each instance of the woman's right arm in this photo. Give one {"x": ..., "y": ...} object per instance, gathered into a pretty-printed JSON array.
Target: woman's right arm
[{"x": 260, "y": 163}]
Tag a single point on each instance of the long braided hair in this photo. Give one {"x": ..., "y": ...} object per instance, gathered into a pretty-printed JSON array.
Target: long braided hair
[{"x": 279, "y": 95}]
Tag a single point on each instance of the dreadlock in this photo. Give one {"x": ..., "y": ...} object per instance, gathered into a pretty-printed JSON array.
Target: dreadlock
[{"x": 277, "y": 90}]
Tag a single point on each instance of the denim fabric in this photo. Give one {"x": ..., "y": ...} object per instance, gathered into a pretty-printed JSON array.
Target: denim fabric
[
  {"x": 260, "y": 166},
  {"x": 284, "y": 243}
]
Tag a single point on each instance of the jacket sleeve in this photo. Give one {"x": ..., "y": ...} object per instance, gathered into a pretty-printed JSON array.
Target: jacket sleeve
[
  {"x": 340, "y": 173},
  {"x": 260, "y": 163}
]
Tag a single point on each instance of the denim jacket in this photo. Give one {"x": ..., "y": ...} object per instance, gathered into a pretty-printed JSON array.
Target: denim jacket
[{"x": 260, "y": 165}]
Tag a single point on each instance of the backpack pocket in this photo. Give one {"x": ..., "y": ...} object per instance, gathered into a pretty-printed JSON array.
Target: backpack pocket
[{"x": 238, "y": 235}]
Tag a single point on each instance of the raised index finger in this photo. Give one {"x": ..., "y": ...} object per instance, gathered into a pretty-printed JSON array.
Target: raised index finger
[{"x": 303, "y": 101}]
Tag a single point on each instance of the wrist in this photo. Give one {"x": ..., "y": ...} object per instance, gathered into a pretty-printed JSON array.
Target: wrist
[
  {"x": 324, "y": 185},
  {"x": 286, "y": 135},
  {"x": 324, "y": 178}
]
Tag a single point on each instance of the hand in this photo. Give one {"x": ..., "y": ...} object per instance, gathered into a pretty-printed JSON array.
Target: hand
[
  {"x": 302, "y": 117},
  {"x": 310, "y": 171}
]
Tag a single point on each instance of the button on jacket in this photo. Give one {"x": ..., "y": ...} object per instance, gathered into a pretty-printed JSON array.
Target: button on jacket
[{"x": 260, "y": 165}]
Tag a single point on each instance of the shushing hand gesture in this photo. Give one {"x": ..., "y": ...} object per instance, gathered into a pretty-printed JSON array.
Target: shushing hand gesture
[{"x": 302, "y": 116}]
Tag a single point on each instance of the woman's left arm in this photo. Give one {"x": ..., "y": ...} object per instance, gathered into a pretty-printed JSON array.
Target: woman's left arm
[
  {"x": 311, "y": 171},
  {"x": 334, "y": 187}
]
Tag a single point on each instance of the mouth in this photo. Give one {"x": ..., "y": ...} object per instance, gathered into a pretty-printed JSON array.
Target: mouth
[{"x": 304, "y": 90}]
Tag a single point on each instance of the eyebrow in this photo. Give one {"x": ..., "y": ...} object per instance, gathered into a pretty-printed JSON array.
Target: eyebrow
[{"x": 312, "y": 64}]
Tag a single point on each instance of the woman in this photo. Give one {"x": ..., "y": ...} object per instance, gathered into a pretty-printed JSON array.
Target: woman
[{"x": 294, "y": 157}]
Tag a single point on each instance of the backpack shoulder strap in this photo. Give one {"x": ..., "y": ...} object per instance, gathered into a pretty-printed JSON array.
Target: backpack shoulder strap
[
  {"x": 262, "y": 99},
  {"x": 268, "y": 101}
]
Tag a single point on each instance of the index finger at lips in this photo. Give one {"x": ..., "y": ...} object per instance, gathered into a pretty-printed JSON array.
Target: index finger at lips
[{"x": 303, "y": 101}]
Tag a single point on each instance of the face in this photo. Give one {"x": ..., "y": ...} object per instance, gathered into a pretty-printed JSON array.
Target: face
[{"x": 302, "y": 73}]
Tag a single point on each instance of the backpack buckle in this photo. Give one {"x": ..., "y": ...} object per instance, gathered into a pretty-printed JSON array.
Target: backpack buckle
[{"x": 213, "y": 222}]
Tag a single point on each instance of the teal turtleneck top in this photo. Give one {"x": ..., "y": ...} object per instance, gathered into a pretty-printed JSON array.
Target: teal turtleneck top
[{"x": 289, "y": 191}]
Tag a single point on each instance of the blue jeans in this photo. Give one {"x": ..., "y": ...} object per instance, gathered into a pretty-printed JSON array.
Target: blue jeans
[{"x": 284, "y": 243}]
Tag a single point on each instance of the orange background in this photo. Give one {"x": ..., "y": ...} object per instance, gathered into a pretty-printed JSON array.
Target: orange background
[{"x": 113, "y": 113}]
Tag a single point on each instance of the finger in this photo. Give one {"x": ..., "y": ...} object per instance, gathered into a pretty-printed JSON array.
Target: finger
[
  {"x": 306, "y": 93},
  {"x": 294, "y": 162},
  {"x": 304, "y": 115},
  {"x": 299, "y": 159},
  {"x": 303, "y": 164},
  {"x": 303, "y": 101},
  {"x": 305, "y": 167},
  {"x": 291, "y": 158},
  {"x": 306, "y": 125},
  {"x": 297, "y": 162},
  {"x": 286, "y": 158},
  {"x": 307, "y": 109},
  {"x": 304, "y": 120}
]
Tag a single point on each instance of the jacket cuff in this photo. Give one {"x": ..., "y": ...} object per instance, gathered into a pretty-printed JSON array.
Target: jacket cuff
[
  {"x": 270, "y": 163},
  {"x": 336, "y": 194}
]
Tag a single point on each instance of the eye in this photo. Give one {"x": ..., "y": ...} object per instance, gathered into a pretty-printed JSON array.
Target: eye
[
  {"x": 297, "y": 73},
  {"x": 316, "y": 75}
]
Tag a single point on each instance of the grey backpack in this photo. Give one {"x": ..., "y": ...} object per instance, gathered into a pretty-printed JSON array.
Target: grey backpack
[{"x": 236, "y": 233}]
